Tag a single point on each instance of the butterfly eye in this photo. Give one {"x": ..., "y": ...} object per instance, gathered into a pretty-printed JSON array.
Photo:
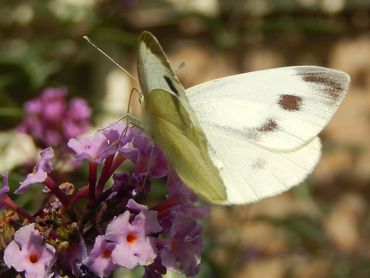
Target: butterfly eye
[{"x": 290, "y": 102}]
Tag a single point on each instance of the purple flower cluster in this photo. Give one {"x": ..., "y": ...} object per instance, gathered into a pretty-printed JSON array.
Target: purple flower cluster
[
  {"x": 51, "y": 121},
  {"x": 112, "y": 220}
]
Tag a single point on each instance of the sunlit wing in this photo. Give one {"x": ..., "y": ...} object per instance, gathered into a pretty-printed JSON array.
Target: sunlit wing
[
  {"x": 279, "y": 109},
  {"x": 241, "y": 138},
  {"x": 250, "y": 172}
]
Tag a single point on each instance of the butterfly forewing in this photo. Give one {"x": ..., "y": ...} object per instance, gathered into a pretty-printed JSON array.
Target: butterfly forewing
[
  {"x": 172, "y": 123},
  {"x": 154, "y": 70},
  {"x": 182, "y": 142},
  {"x": 279, "y": 109}
]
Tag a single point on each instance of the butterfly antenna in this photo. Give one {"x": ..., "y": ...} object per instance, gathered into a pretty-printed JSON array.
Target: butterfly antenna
[{"x": 86, "y": 38}]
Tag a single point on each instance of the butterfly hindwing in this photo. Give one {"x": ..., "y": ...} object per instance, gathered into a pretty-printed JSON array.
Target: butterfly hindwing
[{"x": 251, "y": 172}]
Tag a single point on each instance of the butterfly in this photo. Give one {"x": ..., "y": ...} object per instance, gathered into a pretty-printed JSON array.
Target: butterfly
[{"x": 241, "y": 138}]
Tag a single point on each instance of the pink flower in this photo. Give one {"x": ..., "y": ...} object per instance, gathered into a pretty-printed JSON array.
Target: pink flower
[
  {"x": 40, "y": 172},
  {"x": 134, "y": 245},
  {"x": 77, "y": 119},
  {"x": 181, "y": 252},
  {"x": 72, "y": 257},
  {"x": 93, "y": 148},
  {"x": 100, "y": 259},
  {"x": 120, "y": 136},
  {"x": 147, "y": 157},
  {"x": 52, "y": 120},
  {"x": 27, "y": 253}
]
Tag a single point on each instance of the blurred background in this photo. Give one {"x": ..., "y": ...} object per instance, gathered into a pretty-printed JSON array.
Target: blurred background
[{"x": 319, "y": 229}]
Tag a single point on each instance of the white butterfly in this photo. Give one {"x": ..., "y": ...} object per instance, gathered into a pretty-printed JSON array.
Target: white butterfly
[{"x": 240, "y": 138}]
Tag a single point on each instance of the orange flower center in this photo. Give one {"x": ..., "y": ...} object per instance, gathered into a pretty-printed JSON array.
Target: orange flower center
[
  {"x": 131, "y": 238},
  {"x": 106, "y": 253},
  {"x": 34, "y": 258}
]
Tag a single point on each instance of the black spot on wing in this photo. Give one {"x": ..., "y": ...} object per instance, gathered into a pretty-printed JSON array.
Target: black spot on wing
[
  {"x": 254, "y": 134},
  {"x": 251, "y": 133},
  {"x": 171, "y": 85},
  {"x": 290, "y": 102},
  {"x": 269, "y": 126}
]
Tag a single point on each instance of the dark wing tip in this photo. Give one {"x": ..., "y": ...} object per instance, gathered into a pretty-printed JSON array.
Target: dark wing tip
[
  {"x": 147, "y": 37},
  {"x": 339, "y": 75},
  {"x": 148, "y": 40},
  {"x": 342, "y": 77},
  {"x": 333, "y": 82}
]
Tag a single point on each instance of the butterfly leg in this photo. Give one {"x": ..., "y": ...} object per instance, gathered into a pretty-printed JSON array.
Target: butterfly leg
[
  {"x": 128, "y": 116},
  {"x": 130, "y": 119}
]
